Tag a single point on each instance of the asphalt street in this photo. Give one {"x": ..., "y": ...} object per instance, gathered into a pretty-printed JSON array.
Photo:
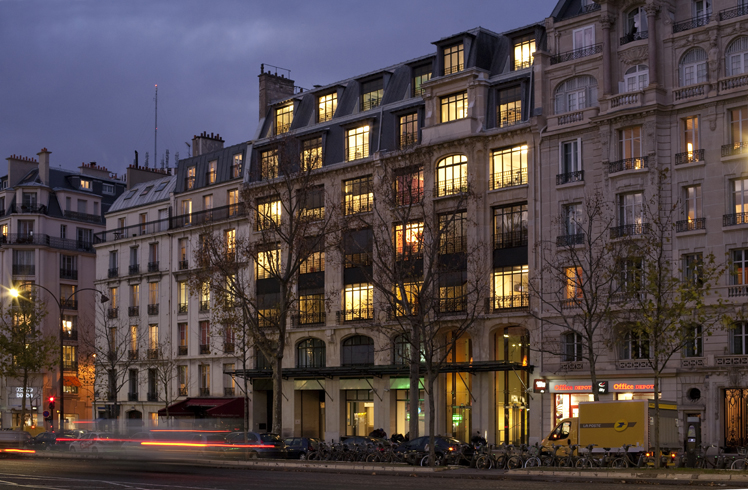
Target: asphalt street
[{"x": 66, "y": 474}]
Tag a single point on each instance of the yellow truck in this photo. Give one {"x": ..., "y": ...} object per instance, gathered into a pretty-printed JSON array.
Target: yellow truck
[{"x": 613, "y": 424}]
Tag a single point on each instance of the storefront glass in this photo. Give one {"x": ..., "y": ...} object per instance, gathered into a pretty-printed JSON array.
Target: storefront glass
[
  {"x": 512, "y": 345},
  {"x": 359, "y": 413},
  {"x": 459, "y": 390},
  {"x": 568, "y": 405},
  {"x": 403, "y": 413}
]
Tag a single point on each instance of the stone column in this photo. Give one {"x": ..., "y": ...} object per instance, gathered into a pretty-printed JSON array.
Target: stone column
[
  {"x": 606, "y": 22},
  {"x": 652, "y": 42}
]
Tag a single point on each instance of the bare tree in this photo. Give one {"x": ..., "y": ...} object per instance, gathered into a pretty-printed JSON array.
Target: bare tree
[
  {"x": 254, "y": 277},
  {"x": 576, "y": 286},
  {"x": 163, "y": 371},
  {"x": 669, "y": 304},
  {"x": 428, "y": 279}
]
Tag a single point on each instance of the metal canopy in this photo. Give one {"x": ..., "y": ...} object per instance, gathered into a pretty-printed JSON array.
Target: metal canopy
[{"x": 402, "y": 370}]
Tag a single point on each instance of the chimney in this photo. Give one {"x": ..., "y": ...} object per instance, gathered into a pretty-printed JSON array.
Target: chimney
[
  {"x": 273, "y": 87},
  {"x": 137, "y": 174},
  {"x": 19, "y": 166},
  {"x": 206, "y": 143},
  {"x": 44, "y": 165}
]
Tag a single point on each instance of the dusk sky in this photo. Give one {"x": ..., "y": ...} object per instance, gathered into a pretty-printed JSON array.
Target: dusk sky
[{"x": 78, "y": 76}]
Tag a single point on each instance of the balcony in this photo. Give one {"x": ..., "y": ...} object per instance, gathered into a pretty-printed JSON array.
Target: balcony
[
  {"x": 132, "y": 231},
  {"x": 184, "y": 265},
  {"x": 112, "y": 313},
  {"x": 577, "y": 54},
  {"x": 736, "y": 148},
  {"x": 204, "y": 391},
  {"x": 48, "y": 241},
  {"x": 133, "y": 311},
  {"x": 691, "y": 23},
  {"x": 569, "y": 177},
  {"x": 70, "y": 334},
  {"x": 23, "y": 270},
  {"x": 229, "y": 391},
  {"x": 152, "y": 266},
  {"x": 737, "y": 291},
  {"x": 570, "y": 240},
  {"x": 70, "y": 365},
  {"x": 634, "y": 36},
  {"x": 204, "y": 306},
  {"x": 209, "y": 216},
  {"x": 182, "y": 308},
  {"x": 451, "y": 305},
  {"x": 134, "y": 269},
  {"x": 510, "y": 239},
  {"x": 356, "y": 314},
  {"x": 182, "y": 391},
  {"x": 636, "y": 163},
  {"x": 132, "y": 354},
  {"x": 69, "y": 274},
  {"x": 690, "y": 225},
  {"x": 88, "y": 218},
  {"x": 730, "y": 83},
  {"x": 569, "y": 303},
  {"x": 628, "y": 99},
  {"x": 734, "y": 219},
  {"x": 690, "y": 92},
  {"x": 69, "y": 304},
  {"x": 152, "y": 397},
  {"x": 511, "y": 178},
  {"x": 182, "y": 350},
  {"x": 311, "y": 317},
  {"x": 689, "y": 157},
  {"x": 204, "y": 349},
  {"x": 113, "y": 273},
  {"x": 153, "y": 309},
  {"x": 733, "y": 12},
  {"x": 153, "y": 354},
  {"x": 450, "y": 187},
  {"x": 497, "y": 304},
  {"x": 228, "y": 347},
  {"x": 629, "y": 230},
  {"x": 132, "y": 397}
]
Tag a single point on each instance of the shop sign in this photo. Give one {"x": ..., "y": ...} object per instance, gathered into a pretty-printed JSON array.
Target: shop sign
[
  {"x": 540, "y": 386},
  {"x": 15, "y": 396},
  {"x": 628, "y": 385}
]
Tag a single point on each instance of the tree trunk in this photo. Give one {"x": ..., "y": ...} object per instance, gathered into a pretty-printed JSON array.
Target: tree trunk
[
  {"x": 432, "y": 418},
  {"x": 656, "y": 419},
  {"x": 23, "y": 400},
  {"x": 414, "y": 394},
  {"x": 277, "y": 396},
  {"x": 246, "y": 399},
  {"x": 593, "y": 372}
]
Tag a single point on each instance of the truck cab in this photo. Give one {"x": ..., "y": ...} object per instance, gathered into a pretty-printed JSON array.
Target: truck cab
[{"x": 563, "y": 434}]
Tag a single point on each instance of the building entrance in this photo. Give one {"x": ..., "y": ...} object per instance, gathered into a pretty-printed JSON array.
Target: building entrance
[{"x": 359, "y": 409}]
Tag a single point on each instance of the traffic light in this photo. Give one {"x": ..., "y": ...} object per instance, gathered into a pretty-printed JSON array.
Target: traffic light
[{"x": 51, "y": 401}]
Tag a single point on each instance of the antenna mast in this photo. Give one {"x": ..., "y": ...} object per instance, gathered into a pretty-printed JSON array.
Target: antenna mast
[{"x": 155, "y": 132}]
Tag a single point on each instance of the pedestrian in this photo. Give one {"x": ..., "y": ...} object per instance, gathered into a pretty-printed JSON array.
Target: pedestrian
[{"x": 478, "y": 440}]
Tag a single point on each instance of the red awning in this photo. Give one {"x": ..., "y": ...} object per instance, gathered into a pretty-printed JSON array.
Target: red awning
[
  {"x": 71, "y": 381},
  {"x": 204, "y": 407}
]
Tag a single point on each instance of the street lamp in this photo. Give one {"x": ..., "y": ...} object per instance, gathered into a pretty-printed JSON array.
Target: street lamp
[{"x": 15, "y": 293}]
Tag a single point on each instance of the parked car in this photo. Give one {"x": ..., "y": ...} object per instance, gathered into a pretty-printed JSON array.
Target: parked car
[
  {"x": 14, "y": 439},
  {"x": 93, "y": 443},
  {"x": 444, "y": 445},
  {"x": 47, "y": 441},
  {"x": 257, "y": 445},
  {"x": 299, "y": 447}
]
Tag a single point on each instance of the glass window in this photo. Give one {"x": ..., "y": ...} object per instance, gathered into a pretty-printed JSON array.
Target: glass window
[
  {"x": 268, "y": 213},
  {"x": 739, "y": 339},
  {"x": 212, "y": 166},
  {"x": 634, "y": 346},
  {"x": 510, "y": 287},
  {"x": 315, "y": 262},
  {"x": 269, "y": 164},
  {"x": 631, "y": 209},
  {"x": 311, "y": 308},
  {"x": 268, "y": 263},
  {"x": 371, "y": 94},
  {"x": 283, "y": 119},
  {"x": 691, "y": 136},
  {"x": 692, "y": 68},
  {"x": 357, "y": 350},
  {"x": 230, "y": 239},
  {"x": 357, "y": 143},
  {"x": 573, "y": 283},
  {"x": 409, "y": 240},
  {"x": 576, "y": 94},
  {"x": 184, "y": 296},
  {"x": 236, "y": 168},
  {"x": 135, "y": 295},
  {"x": 692, "y": 268},
  {"x": 739, "y": 126},
  {"x": 453, "y": 233},
  {"x": 183, "y": 335},
  {"x": 190, "y": 179},
  {"x": 153, "y": 293},
  {"x": 409, "y": 187},
  {"x": 692, "y": 202},
  {"x": 739, "y": 273},
  {"x": 454, "y": 107},
  {"x": 510, "y": 226},
  {"x": 358, "y": 195},
  {"x": 312, "y": 203},
  {"x": 451, "y": 175},
  {"x": 311, "y": 154},
  {"x": 524, "y": 51},
  {"x": 740, "y": 195},
  {"x": 736, "y": 57},
  {"x": 310, "y": 353},
  {"x": 630, "y": 145},
  {"x": 570, "y": 157},
  {"x": 636, "y": 78},
  {"x": 509, "y": 167},
  {"x": 359, "y": 300},
  {"x": 408, "y": 130},
  {"x": 636, "y": 22},
  {"x": 326, "y": 105},
  {"x": 571, "y": 347},
  {"x": 454, "y": 59},
  {"x": 421, "y": 75},
  {"x": 584, "y": 37},
  {"x": 510, "y": 107}
]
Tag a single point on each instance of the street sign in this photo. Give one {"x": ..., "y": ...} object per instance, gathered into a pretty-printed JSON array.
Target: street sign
[
  {"x": 46, "y": 414},
  {"x": 602, "y": 387}
]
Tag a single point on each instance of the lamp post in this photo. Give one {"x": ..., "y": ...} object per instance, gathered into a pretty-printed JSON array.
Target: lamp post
[{"x": 61, "y": 395}]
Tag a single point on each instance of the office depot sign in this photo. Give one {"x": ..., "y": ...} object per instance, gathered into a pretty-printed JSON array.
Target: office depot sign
[{"x": 627, "y": 385}]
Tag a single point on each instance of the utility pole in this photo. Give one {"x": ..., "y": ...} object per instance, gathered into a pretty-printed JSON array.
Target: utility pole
[{"x": 155, "y": 132}]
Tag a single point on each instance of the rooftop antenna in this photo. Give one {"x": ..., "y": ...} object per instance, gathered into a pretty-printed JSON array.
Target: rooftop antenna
[
  {"x": 188, "y": 149},
  {"x": 167, "y": 160},
  {"x": 155, "y": 131},
  {"x": 146, "y": 159}
]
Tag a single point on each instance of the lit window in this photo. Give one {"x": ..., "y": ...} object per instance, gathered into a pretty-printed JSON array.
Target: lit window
[
  {"x": 311, "y": 154},
  {"x": 451, "y": 175},
  {"x": 410, "y": 301},
  {"x": 408, "y": 130},
  {"x": 510, "y": 287},
  {"x": 211, "y": 177},
  {"x": 454, "y": 60},
  {"x": 631, "y": 210},
  {"x": 283, "y": 119},
  {"x": 358, "y": 195},
  {"x": 153, "y": 337},
  {"x": 454, "y": 107},
  {"x": 187, "y": 211},
  {"x": 371, "y": 94},
  {"x": 738, "y": 126},
  {"x": 230, "y": 236},
  {"x": 739, "y": 271},
  {"x": 510, "y": 226},
  {"x": 146, "y": 190},
  {"x": 509, "y": 167},
  {"x": 740, "y": 197},
  {"x": 233, "y": 198},
  {"x": 85, "y": 184},
  {"x": 236, "y": 168},
  {"x": 326, "y": 106},
  {"x": 315, "y": 262},
  {"x": 691, "y": 136},
  {"x": 357, "y": 143},
  {"x": 409, "y": 187},
  {"x": 153, "y": 293},
  {"x": 692, "y": 202},
  {"x": 190, "y": 179},
  {"x": 630, "y": 146},
  {"x": 573, "y": 285},
  {"x": 452, "y": 297},
  {"x": 524, "y": 51},
  {"x": 359, "y": 299},
  {"x": 184, "y": 296},
  {"x": 510, "y": 107},
  {"x": 311, "y": 308},
  {"x": 268, "y": 213},
  {"x": 421, "y": 75},
  {"x": 268, "y": 165},
  {"x": 409, "y": 240}
]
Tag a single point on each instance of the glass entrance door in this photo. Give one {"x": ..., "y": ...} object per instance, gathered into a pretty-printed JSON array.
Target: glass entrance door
[{"x": 359, "y": 409}]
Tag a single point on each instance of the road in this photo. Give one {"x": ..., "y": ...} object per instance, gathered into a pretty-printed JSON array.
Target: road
[{"x": 74, "y": 474}]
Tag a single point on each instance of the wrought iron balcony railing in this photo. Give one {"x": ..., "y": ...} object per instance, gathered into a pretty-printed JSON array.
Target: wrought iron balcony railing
[
  {"x": 450, "y": 187},
  {"x": 734, "y": 148},
  {"x": 629, "y": 230},
  {"x": 734, "y": 219},
  {"x": 133, "y": 311},
  {"x": 182, "y": 308},
  {"x": 112, "y": 313},
  {"x": 690, "y": 224},
  {"x": 577, "y": 53},
  {"x": 635, "y": 163},
  {"x": 153, "y": 353},
  {"x": 510, "y": 178},
  {"x": 228, "y": 347},
  {"x": 356, "y": 314},
  {"x": 634, "y": 36},
  {"x": 204, "y": 349},
  {"x": 153, "y": 309},
  {"x": 689, "y": 157},
  {"x": 132, "y": 397},
  {"x": 153, "y": 266},
  {"x": 134, "y": 269},
  {"x": 181, "y": 350},
  {"x": 152, "y": 397},
  {"x": 184, "y": 265},
  {"x": 451, "y": 305},
  {"x": 570, "y": 240},
  {"x": 24, "y": 270},
  {"x": 69, "y": 304},
  {"x": 113, "y": 272},
  {"x": 510, "y": 239},
  {"x": 691, "y": 23},
  {"x": 70, "y": 334},
  {"x": 569, "y": 177},
  {"x": 229, "y": 391},
  {"x": 204, "y": 391},
  {"x": 204, "y": 306},
  {"x": 88, "y": 218},
  {"x": 132, "y": 354},
  {"x": 503, "y": 303},
  {"x": 69, "y": 274},
  {"x": 733, "y": 12}
]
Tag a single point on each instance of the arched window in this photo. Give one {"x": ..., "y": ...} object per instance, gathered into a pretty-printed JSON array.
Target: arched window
[
  {"x": 310, "y": 353},
  {"x": 576, "y": 94},
  {"x": 692, "y": 67},
  {"x": 736, "y": 57},
  {"x": 636, "y": 23},
  {"x": 357, "y": 350},
  {"x": 401, "y": 350},
  {"x": 636, "y": 78},
  {"x": 451, "y": 175}
]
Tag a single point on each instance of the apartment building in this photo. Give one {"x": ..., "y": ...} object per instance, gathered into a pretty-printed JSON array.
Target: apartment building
[{"x": 48, "y": 217}]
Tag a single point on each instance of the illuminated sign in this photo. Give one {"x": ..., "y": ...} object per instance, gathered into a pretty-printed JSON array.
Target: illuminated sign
[
  {"x": 627, "y": 385},
  {"x": 540, "y": 386}
]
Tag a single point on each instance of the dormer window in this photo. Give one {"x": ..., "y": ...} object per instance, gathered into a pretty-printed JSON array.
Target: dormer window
[
  {"x": 107, "y": 188},
  {"x": 510, "y": 107},
  {"x": 283, "y": 119},
  {"x": 454, "y": 59},
  {"x": 211, "y": 177},
  {"x": 371, "y": 94},
  {"x": 524, "y": 51},
  {"x": 421, "y": 75},
  {"x": 327, "y": 105},
  {"x": 190, "y": 179},
  {"x": 85, "y": 185}
]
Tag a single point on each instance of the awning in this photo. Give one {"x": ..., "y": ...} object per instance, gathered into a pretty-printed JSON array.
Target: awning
[
  {"x": 206, "y": 407},
  {"x": 71, "y": 381}
]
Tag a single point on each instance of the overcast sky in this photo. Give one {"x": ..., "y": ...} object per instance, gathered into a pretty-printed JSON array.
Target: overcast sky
[{"x": 78, "y": 76}]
